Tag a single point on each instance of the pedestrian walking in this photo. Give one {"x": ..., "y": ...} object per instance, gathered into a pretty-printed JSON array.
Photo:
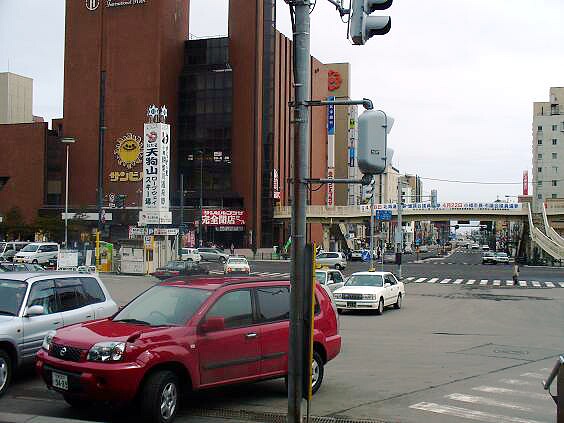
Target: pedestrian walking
[
  {"x": 515, "y": 273},
  {"x": 232, "y": 249}
]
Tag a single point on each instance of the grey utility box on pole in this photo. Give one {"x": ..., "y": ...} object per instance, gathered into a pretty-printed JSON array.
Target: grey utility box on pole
[{"x": 373, "y": 129}]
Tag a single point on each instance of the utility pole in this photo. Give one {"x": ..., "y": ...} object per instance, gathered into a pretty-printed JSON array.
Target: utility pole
[
  {"x": 372, "y": 226},
  {"x": 181, "y": 226},
  {"x": 399, "y": 232},
  {"x": 301, "y": 159}
]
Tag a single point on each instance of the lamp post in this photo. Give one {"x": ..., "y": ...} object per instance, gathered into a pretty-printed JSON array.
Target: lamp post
[
  {"x": 67, "y": 141},
  {"x": 201, "y": 196}
]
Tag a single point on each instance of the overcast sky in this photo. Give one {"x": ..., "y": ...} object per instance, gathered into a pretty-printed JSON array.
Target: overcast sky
[{"x": 458, "y": 76}]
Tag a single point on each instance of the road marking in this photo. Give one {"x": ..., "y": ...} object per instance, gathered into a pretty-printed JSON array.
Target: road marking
[
  {"x": 522, "y": 283},
  {"x": 549, "y": 284},
  {"x": 468, "y": 414},
  {"x": 536, "y": 284},
  {"x": 420, "y": 280},
  {"x": 446, "y": 280},
  {"x": 409, "y": 279},
  {"x": 509, "y": 283},
  {"x": 471, "y": 282},
  {"x": 497, "y": 282},
  {"x": 561, "y": 284},
  {"x": 458, "y": 281},
  {"x": 505, "y": 391},
  {"x": 484, "y": 282},
  {"x": 517, "y": 382},
  {"x": 433, "y": 280},
  {"x": 486, "y": 401},
  {"x": 533, "y": 375}
]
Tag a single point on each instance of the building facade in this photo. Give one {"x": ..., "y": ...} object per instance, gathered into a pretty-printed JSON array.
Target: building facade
[
  {"x": 16, "y": 98},
  {"x": 548, "y": 149}
]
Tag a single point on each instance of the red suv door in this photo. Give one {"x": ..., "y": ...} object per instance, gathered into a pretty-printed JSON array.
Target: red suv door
[
  {"x": 273, "y": 311},
  {"x": 234, "y": 352}
]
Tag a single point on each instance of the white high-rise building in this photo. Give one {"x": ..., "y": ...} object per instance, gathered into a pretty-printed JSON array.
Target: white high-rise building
[
  {"x": 548, "y": 148},
  {"x": 16, "y": 98}
]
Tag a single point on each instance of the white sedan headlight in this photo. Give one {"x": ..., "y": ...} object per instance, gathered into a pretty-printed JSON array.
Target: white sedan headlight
[
  {"x": 368, "y": 296},
  {"x": 48, "y": 340},
  {"x": 106, "y": 351}
]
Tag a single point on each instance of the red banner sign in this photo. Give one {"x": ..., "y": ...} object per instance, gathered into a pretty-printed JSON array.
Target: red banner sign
[
  {"x": 224, "y": 217},
  {"x": 526, "y": 182}
]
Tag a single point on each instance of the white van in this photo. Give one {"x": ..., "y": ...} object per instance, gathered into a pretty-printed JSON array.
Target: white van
[
  {"x": 190, "y": 254},
  {"x": 37, "y": 253},
  {"x": 9, "y": 249}
]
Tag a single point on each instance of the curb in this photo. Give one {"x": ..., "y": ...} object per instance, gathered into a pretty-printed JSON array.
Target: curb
[{"x": 30, "y": 418}]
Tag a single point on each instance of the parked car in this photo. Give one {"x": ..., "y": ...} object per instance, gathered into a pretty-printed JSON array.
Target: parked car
[
  {"x": 333, "y": 279},
  {"x": 190, "y": 254},
  {"x": 485, "y": 248},
  {"x": 332, "y": 259},
  {"x": 213, "y": 254},
  {"x": 370, "y": 291},
  {"x": 423, "y": 249},
  {"x": 502, "y": 258},
  {"x": 32, "y": 304},
  {"x": 475, "y": 246},
  {"x": 8, "y": 266},
  {"x": 488, "y": 258},
  {"x": 180, "y": 336},
  {"x": 9, "y": 249},
  {"x": 237, "y": 265},
  {"x": 356, "y": 255},
  {"x": 389, "y": 257},
  {"x": 180, "y": 268},
  {"x": 408, "y": 250},
  {"x": 37, "y": 253}
]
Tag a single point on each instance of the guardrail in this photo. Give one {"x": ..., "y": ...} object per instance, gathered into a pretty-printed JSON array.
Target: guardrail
[{"x": 557, "y": 372}]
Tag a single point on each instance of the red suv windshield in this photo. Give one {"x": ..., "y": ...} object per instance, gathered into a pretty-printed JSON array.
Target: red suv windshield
[{"x": 163, "y": 306}]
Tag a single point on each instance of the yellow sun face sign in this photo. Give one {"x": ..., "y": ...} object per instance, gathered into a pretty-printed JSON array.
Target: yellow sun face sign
[{"x": 129, "y": 150}]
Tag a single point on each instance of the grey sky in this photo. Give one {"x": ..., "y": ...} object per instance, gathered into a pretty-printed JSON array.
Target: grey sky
[{"x": 458, "y": 76}]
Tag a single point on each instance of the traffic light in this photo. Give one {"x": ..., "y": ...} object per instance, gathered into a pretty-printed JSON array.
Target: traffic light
[
  {"x": 120, "y": 201},
  {"x": 369, "y": 190},
  {"x": 434, "y": 198},
  {"x": 363, "y": 26},
  {"x": 373, "y": 129}
]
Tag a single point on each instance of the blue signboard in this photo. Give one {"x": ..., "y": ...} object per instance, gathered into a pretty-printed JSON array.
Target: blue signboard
[
  {"x": 331, "y": 117},
  {"x": 365, "y": 255},
  {"x": 418, "y": 241},
  {"x": 383, "y": 215}
]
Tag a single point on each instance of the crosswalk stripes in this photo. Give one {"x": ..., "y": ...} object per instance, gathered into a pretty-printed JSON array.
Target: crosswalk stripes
[
  {"x": 522, "y": 402},
  {"x": 497, "y": 283}
]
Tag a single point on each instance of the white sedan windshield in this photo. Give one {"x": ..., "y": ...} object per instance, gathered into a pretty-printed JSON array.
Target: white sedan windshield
[{"x": 365, "y": 280}]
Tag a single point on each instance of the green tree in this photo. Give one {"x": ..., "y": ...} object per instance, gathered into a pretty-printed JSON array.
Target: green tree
[{"x": 14, "y": 226}]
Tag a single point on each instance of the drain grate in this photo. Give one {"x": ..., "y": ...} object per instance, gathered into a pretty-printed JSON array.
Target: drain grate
[{"x": 265, "y": 417}]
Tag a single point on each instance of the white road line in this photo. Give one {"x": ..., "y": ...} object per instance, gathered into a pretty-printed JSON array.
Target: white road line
[
  {"x": 505, "y": 391},
  {"x": 545, "y": 369},
  {"x": 487, "y": 401},
  {"x": 420, "y": 280},
  {"x": 517, "y": 382},
  {"x": 561, "y": 284},
  {"x": 533, "y": 375},
  {"x": 497, "y": 282},
  {"x": 522, "y": 283},
  {"x": 468, "y": 414},
  {"x": 409, "y": 279},
  {"x": 446, "y": 280},
  {"x": 509, "y": 283},
  {"x": 471, "y": 282},
  {"x": 549, "y": 284},
  {"x": 484, "y": 282},
  {"x": 433, "y": 280},
  {"x": 458, "y": 281},
  {"x": 536, "y": 284}
]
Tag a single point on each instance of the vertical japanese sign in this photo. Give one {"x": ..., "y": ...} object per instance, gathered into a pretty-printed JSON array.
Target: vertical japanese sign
[
  {"x": 156, "y": 169},
  {"x": 331, "y": 151},
  {"x": 526, "y": 182}
]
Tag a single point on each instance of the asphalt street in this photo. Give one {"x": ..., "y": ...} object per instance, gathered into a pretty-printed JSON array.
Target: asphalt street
[{"x": 454, "y": 352}]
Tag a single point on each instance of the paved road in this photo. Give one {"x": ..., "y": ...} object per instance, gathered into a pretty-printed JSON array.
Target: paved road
[{"x": 454, "y": 352}]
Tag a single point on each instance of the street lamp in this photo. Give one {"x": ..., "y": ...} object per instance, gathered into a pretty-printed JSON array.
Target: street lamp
[
  {"x": 67, "y": 141},
  {"x": 201, "y": 196}
]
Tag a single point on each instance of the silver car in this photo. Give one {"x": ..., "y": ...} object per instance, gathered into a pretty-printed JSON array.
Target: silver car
[
  {"x": 213, "y": 254},
  {"x": 32, "y": 304},
  {"x": 332, "y": 259}
]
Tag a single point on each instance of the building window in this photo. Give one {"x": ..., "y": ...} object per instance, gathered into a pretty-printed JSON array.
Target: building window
[
  {"x": 539, "y": 128},
  {"x": 554, "y": 141},
  {"x": 554, "y": 195},
  {"x": 539, "y": 169},
  {"x": 539, "y": 184},
  {"x": 539, "y": 196},
  {"x": 539, "y": 142},
  {"x": 555, "y": 169},
  {"x": 554, "y": 156},
  {"x": 554, "y": 127},
  {"x": 539, "y": 156},
  {"x": 554, "y": 183}
]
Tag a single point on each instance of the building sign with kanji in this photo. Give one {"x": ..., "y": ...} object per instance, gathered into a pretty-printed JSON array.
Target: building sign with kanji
[{"x": 224, "y": 217}]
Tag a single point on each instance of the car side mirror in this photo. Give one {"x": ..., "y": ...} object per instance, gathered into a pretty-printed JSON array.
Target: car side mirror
[
  {"x": 35, "y": 310},
  {"x": 387, "y": 284},
  {"x": 212, "y": 324}
]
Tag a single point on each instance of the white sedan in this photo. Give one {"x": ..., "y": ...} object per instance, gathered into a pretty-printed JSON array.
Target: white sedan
[
  {"x": 370, "y": 291},
  {"x": 237, "y": 265}
]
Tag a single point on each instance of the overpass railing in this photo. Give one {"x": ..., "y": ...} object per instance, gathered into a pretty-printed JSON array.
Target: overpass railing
[
  {"x": 555, "y": 236},
  {"x": 544, "y": 242}
]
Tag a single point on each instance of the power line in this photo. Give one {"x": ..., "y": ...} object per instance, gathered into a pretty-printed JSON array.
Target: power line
[{"x": 484, "y": 182}]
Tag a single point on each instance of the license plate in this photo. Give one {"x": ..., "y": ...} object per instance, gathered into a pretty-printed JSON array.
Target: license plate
[
  {"x": 60, "y": 381},
  {"x": 351, "y": 304}
]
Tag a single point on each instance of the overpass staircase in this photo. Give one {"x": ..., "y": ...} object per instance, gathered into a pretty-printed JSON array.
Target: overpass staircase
[
  {"x": 538, "y": 234},
  {"x": 550, "y": 232}
]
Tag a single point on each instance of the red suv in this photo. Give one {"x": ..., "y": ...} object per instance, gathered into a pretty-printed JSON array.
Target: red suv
[{"x": 183, "y": 334}]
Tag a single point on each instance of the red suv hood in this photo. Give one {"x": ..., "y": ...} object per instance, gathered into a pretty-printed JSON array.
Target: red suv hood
[{"x": 85, "y": 335}]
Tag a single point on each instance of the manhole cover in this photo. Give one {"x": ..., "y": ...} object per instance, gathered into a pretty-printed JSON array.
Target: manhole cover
[{"x": 510, "y": 351}]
